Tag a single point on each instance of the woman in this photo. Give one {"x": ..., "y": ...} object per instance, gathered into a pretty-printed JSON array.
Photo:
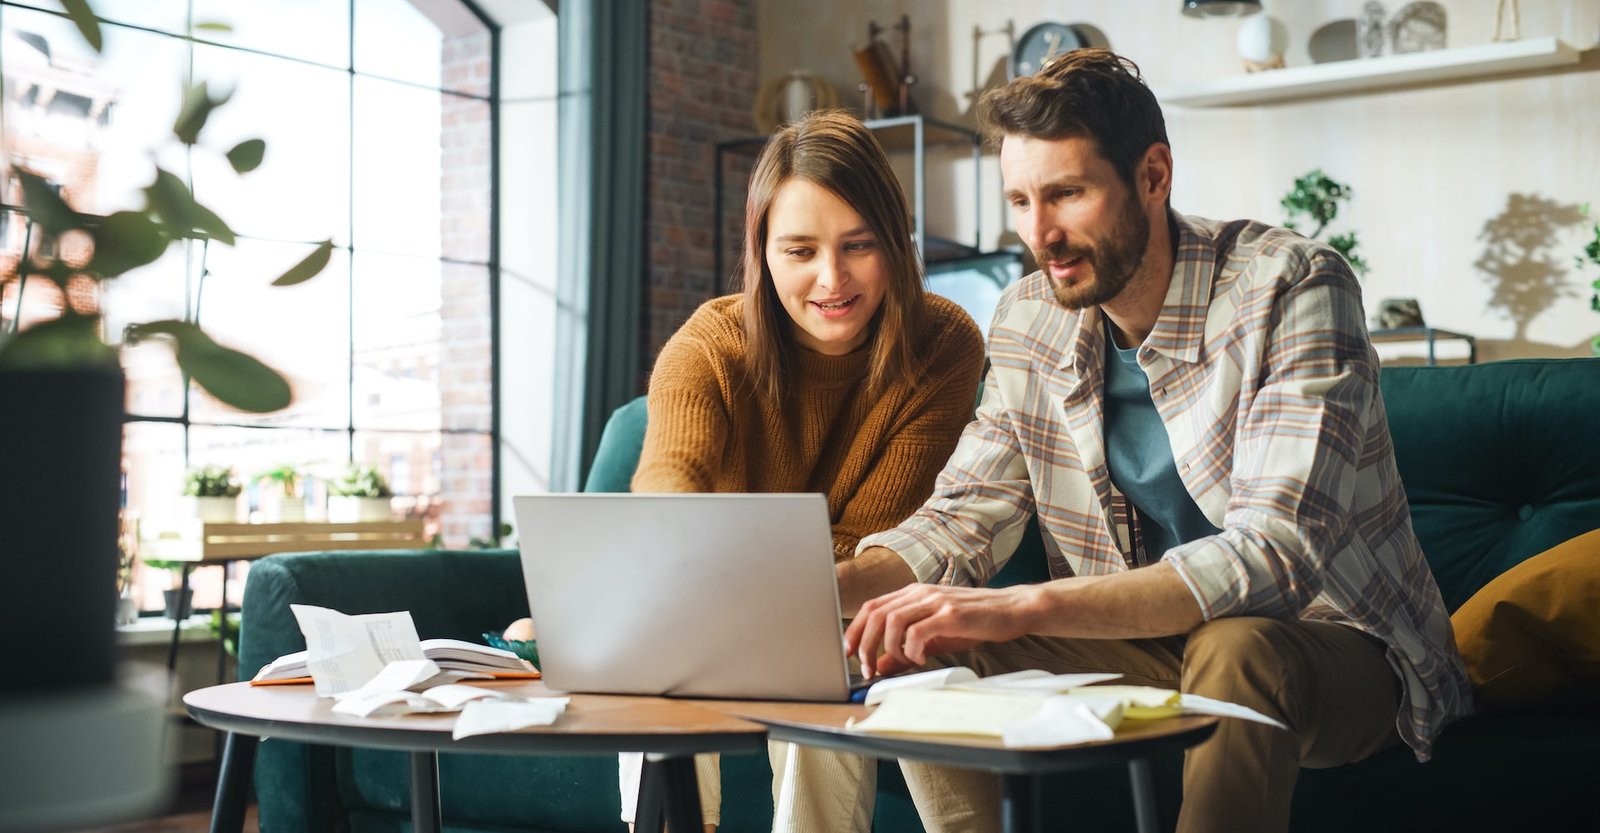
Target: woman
[{"x": 833, "y": 372}]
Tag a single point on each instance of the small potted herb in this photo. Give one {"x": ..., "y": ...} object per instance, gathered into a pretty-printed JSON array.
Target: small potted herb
[
  {"x": 281, "y": 501},
  {"x": 214, "y": 491},
  {"x": 359, "y": 494},
  {"x": 176, "y": 608}
]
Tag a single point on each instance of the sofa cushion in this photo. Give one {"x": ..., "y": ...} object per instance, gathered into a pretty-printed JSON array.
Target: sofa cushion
[
  {"x": 1494, "y": 465},
  {"x": 1531, "y": 637}
]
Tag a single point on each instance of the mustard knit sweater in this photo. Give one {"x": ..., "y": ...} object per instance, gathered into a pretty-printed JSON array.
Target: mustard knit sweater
[{"x": 874, "y": 457}]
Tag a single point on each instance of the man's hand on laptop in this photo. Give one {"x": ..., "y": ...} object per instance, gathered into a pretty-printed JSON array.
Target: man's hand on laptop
[
  {"x": 899, "y": 631},
  {"x": 872, "y": 573}
]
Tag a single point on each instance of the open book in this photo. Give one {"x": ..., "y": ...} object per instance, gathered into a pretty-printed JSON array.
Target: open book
[
  {"x": 476, "y": 661},
  {"x": 409, "y": 687},
  {"x": 343, "y": 652}
]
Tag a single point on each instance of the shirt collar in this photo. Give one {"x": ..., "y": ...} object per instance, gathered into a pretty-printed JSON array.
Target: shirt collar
[{"x": 1181, "y": 327}]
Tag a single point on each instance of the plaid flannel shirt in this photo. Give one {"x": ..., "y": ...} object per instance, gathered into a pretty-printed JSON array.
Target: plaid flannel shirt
[{"x": 1261, "y": 370}]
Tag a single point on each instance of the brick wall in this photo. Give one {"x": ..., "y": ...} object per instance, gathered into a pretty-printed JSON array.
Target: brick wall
[
  {"x": 466, "y": 476},
  {"x": 702, "y": 88}
]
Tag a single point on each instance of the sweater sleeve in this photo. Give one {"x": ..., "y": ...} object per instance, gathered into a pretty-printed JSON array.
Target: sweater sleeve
[
  {"x": 688, "y": 421},
  {"x": 903, "y": 475}
]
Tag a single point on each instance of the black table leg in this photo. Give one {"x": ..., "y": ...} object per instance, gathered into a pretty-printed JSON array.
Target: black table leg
[
  {"x": 670, "y": 793},
  {"x": 1019, "y": 803},
  {"x": 177, "y": 624},
  {"x": 1144, "y": 795},
  {"x": 683, "y": 795},
  {"x": 647, "y": 815},
  {"x": 425, "y": 816},
  {"x": 233, "y": 783}
]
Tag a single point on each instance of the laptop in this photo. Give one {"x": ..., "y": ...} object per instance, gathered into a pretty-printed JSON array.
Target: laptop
[{"x": 685, "y": 595}]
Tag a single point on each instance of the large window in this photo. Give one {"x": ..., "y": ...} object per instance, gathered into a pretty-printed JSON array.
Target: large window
[{"x": 378, "y": 119}]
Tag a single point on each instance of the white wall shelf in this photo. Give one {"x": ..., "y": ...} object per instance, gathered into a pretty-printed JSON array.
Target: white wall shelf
[{"x": 1364, "y": 74}]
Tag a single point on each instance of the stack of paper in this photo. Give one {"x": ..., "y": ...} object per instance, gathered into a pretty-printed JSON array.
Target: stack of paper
[{"x": 1027, "y": 709}]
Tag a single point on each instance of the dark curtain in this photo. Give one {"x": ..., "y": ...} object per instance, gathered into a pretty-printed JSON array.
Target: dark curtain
[{"x": 603, "y": 72}]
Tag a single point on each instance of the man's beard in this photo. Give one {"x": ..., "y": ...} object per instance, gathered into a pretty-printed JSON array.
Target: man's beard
[{"x": 1112, "y": 262}]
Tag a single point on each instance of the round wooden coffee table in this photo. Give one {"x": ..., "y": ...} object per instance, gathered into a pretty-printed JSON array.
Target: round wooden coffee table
[{"x": 668, "y": 731}]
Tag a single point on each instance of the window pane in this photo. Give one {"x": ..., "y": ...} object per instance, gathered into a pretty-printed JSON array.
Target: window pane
[
  {"x": 302, "y": 331},
  {"x": 150, "y": 293},
  {"x": 397, "y": 342},
  {"x": 312, "y": 30},
  {"x": 152, "y": 460},
  {"x": 301, "y": 190},
  {"x": 90, "y": 122},
  {"x": 468, "y": 501},
  {"x": 410, "y": 462},
  {"x": 166, "y": 15},
  {"x": 464, "y": 372},
  {"x": 396, "y": 169},
  {"x": 444, "y": 47},
  {"x": 444, "y": 478},
  {"x": 251, "y": 451}
]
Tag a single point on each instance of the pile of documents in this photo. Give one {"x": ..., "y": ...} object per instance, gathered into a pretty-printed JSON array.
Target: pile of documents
[
  {"x": 1027, "y": 709},
  {"x": 375, "y": 666}
]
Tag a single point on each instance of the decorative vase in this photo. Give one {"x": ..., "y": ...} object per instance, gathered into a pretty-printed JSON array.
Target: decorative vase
[
  {"x": 60, "y": 493},
  {"x": 216, "y": 510},
  {"x": 1262, "y": 40},
  {"x": 343, "y": 509},
  {"x": 127, "y": 610}
]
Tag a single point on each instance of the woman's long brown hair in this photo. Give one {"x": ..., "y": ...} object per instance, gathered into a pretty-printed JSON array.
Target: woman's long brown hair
[{"x": 834, "y": 150}]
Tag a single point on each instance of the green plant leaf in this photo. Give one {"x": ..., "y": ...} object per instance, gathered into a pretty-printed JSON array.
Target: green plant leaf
[
  {"x": 174, "y": 204},
  {"x": 83, "y": 17},
  {"x": 246, "y": 156},
  {"x": 46, "y": 206},
  {"x": 69, "y": 341},
  {"x": 234, "y": 378},
  {"x": 214, "y": 26},
  {"x": 197, "y": 107},
  {"x": 125, "y": 240},
  {"x": 308, "y": 267}
]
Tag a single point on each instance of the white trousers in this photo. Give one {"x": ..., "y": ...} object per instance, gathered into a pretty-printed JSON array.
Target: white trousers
[{"x": 813, "y": 790}]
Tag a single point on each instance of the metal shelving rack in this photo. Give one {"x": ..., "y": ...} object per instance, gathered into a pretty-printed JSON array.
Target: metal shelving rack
[{"x": 899, "y": 134}]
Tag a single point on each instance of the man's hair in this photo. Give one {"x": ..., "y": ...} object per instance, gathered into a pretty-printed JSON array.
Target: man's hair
[
  {"x": 834, "y": 150},
  {"x": 1086, "y": 93}
]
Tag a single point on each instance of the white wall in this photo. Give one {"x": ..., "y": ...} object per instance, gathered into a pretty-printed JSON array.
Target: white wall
[{"x": 1430, "y": 167}]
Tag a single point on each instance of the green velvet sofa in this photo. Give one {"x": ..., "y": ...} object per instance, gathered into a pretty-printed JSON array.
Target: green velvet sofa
[{"x": 1499, "y": 462}]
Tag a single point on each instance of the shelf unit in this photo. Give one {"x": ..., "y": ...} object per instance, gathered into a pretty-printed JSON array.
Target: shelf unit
[
  {"x": 900, "y": 134},
  {"x": 1367, "y": 74}
]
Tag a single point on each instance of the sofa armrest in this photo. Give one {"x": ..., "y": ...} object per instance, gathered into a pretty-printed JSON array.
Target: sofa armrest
[{"x": 455, "y": 594}]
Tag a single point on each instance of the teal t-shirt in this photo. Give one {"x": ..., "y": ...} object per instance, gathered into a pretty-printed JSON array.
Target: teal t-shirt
[{"x": 1139, "y": 455}]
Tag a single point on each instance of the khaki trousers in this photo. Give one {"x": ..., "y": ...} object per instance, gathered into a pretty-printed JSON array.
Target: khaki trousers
[
  {"x": 812, "y": 789},
  {"x": 1329, "y": 683}
]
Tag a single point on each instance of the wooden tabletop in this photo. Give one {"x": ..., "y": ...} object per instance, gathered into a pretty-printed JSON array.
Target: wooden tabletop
[{"x": 592, "y": 724}]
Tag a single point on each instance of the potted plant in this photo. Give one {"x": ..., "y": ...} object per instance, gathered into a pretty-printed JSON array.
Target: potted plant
[
  {"x": 63, "y": 399},
  {"x": 281, "y": 501},
  {"x": 176, "y": 607},
  {"x": 1316, "y": 197},
  {"x": 214, "y": 493},
  {"x": 360, "y": 493}
]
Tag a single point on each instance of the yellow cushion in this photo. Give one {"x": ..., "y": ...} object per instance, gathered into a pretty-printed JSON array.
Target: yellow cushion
[{"x": 1531, "y": 637}]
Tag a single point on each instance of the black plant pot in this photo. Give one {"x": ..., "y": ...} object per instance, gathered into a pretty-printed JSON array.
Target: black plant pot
[
  {"x": 60, "y": 491},
  {"x": 178, "y": 609}
]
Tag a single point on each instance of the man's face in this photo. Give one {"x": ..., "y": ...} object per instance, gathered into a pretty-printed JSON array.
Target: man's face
[{"x": 1087, "y": 230}]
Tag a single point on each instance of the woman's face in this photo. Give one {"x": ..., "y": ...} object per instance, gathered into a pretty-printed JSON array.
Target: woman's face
[{"x": 827, "y": 266}]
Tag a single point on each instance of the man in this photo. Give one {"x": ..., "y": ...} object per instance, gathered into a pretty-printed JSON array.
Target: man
[{"x": 1191, "y": 409}]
